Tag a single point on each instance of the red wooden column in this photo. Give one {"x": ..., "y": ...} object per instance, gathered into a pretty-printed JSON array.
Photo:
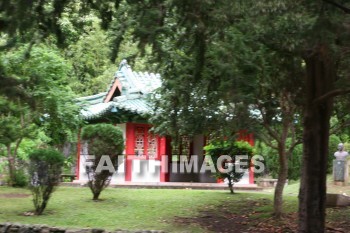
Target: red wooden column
[
  {"x": 164, "y": 160},
  {"x": 129, "y": 150},
  {"x": 251, "y": 169},
  {"x": 248, "y": 137},
  {"x": 77, "y": 169}
]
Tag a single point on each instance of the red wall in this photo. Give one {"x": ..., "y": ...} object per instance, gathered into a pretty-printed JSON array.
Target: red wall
[{"x": 130, "y": 151}]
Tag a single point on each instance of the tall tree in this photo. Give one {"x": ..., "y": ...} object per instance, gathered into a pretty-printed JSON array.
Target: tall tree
[
  {"x": 15, "y": 125},
  {"x": 316, "y": 36},
  {"x": 50, "y": 107},
  {"x": 105, "y": 143},
  {"x": 314, "y": 31},
  {"x": 277, "y": 96}
]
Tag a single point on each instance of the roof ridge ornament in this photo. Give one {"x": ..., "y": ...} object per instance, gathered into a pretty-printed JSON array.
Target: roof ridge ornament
[{"x": 124, "y": 62}]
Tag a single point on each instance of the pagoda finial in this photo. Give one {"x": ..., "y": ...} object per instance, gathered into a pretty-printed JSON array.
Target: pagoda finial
[{"x": 124, "y": 62}]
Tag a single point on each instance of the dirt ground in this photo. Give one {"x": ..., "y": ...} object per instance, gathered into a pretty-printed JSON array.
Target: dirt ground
[
  {"x": 13, "y": 195},
  {"x": 224, "y": 220}
]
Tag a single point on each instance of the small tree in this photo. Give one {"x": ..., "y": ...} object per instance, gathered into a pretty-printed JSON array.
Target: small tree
[
  {"x": 232, "y": 151},
  {"x": 103, "y": 140},
  {"x": 45, "y": 167}
]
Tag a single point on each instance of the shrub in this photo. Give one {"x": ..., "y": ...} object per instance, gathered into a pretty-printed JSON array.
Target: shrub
[
  {"x": 20, "y": 175},
  {"x": 103, "y": 140},
  {"x": 294, "y": 161},
  {"x": 45, "y": 167},
  {"x": 216, "y": 149},
  {"x": 334, "y": 140},
  {"x": 272, "y": 165},
  {"x": 20, "y": 179},
  {"x": 69, "y": 163}
]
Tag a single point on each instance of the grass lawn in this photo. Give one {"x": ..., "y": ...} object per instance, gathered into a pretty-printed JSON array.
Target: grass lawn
[
  {"x": 128, "y": 209},
  {"x": 171, "y": 210},
  {"x": 337, "y": 217},
  {"x": 293, "y": 188}
]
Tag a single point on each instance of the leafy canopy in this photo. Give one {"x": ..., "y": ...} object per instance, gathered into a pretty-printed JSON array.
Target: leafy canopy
[
  {"x": 103, "y": 139},
  {"x": 233, "y": 149},
  {"x": 49, "y": 156}
]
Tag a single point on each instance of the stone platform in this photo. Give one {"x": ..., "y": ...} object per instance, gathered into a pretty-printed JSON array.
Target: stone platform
[
  {"x": 173, "y": 185},
  {"x": 25, "y": 228},
  {"x": 337, "y": 200}
]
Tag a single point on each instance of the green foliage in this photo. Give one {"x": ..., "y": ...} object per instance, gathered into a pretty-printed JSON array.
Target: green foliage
[
  {"x": 69, "y": 162},
  {"x": 51, "y": 103},
  {"x": 45, "y": 168},
  {"x": 31, "y": 20},
  {"x": 334, "y": 140},
  {"x": 294, "y": 161},
  {"x": 103, "y": 140},
  {"x": 14, "y": 122},
  {"x": 50, "y": 156},
  {"x": 20, "y": 179},
  {"x": 232, "y": 149},
  {"x": 3, "y": 165},
  {"x": 28, "y": 145},
  {"x": 90, "y": 49},
  {"x": 218, "y": 148},
  {"x": 271, "y": 159},
  {"x": 90, "y": 59}
]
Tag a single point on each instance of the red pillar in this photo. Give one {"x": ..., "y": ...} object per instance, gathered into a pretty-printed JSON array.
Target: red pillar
[
  {"x": 77, "y": 169},
  {"x": 251, "y": 173},
  {"x": 129, "y": 150},
  {"x": 251, "y": 169},
  {"x": 248, "y": 137},
  {"x": 164, "y": 160}
]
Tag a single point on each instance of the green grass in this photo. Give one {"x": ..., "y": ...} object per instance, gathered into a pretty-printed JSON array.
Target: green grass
[
  {"x": 150, "y": 209},
  {"x": 128, "y": 209},
  {"x": 292, "y": 189}
]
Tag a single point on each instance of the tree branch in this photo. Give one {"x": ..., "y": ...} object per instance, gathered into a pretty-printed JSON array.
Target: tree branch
[
  {"x": 293, "y": 145},
  {"x": 331, "y": 94},
  {"x": 18, "y": 143},
  {"x": 343, "y": 8},
  {"x": 336, "y": 130},
  {"x": 270, "y": 131},
  {"x": 268, "y": 141}
]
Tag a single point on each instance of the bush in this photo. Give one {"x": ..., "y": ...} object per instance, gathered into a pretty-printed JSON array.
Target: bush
[
  {"x": 103, "y": 140},
  {"x": 294, "y": 163},
  {"x": 333, "y": 147},
  {"x": 272, "y": 165},
  {"x": 216, "y": 149},
  {"x": 45, "y": 168},
  {"x": 20, "y": 176},
  {"x": 20, "y": 179},
  {"x": 69, "y": 163}
]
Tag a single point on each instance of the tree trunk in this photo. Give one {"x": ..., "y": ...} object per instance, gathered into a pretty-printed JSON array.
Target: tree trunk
[
  {"x": 11, "y": 166},
  {"x": 230, "y": 185},
  {"x": 282, "y": 178},
  {"x": 40, "y": 210},
  {"x": 320, "y": 78},
  {"x": 96, "y": 196}
]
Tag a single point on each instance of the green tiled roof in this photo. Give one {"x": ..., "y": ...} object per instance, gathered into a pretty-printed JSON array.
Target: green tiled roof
[
  {"x": 136, "y": 82},
  {"x": 95, "y": 111},
  {"x": 133, "y": 98},
  {"x": 139, "y": 106},
  {"x": 92, "y": 99}
]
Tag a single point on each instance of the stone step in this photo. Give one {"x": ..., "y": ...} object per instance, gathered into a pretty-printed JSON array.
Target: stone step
[
  {"x": 174, "y": 185},
  {"x": 337, "y": 200}
]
